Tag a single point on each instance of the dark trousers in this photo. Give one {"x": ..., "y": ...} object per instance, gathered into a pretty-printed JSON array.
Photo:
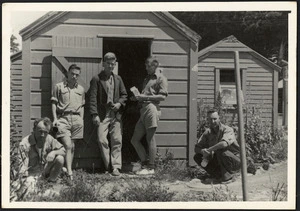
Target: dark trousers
[{"x": 223, "y": 164}]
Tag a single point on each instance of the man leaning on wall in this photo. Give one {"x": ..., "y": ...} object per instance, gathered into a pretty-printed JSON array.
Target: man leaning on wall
[{"x": 67, "y": 109}]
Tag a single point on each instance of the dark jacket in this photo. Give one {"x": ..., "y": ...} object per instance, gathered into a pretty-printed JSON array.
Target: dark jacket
[{"x": 98, "y": 95}]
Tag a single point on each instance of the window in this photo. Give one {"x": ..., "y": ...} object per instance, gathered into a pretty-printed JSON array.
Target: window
[{"x": 227, "y": 86}]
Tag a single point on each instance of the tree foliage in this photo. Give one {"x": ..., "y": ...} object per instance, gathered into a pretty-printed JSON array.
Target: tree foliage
[
  {"x": 263, "y": 31},
  {"x": 14, "y": 46}
]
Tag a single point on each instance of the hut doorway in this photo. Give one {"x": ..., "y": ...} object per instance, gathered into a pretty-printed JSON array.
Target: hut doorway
[{"x": 131, "y": 55}]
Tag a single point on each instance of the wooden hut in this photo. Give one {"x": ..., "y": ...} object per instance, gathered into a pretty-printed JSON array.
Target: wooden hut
[
  {"x": 259, "y": 78},
  {"x": 16, "y": 93},
  {"x": 59, "y": 39}
]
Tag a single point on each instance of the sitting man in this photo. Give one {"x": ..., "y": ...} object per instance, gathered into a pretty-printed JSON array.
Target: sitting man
[
  {"x": 217, "y": 150},
  {"x": 40, "y": 153}
]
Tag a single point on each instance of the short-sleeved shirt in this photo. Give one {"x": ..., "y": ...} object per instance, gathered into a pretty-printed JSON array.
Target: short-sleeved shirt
[
  {"x": 33, "y": 157},
  {"x": 225, "y": 133},
  {"x": 68, "y": 99},
  {"x": 155, "y": 84}
]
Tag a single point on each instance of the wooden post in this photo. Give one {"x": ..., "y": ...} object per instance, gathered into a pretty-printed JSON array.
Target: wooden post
[{"x": 241, "y": 124}]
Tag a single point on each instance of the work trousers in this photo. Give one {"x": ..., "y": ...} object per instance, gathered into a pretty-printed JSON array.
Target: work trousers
[{"x": 110, "y": 150}]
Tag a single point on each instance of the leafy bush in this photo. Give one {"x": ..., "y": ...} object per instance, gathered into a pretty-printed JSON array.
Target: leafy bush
[
  {"x": 167, "y": 168},
  {"x": 149, "y": 190}
]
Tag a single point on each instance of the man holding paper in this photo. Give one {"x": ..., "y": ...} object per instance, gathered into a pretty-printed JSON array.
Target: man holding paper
[{"x": 155, "y": 89}]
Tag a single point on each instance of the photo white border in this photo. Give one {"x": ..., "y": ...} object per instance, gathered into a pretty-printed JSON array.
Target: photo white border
[{"x": 8, "y": 8}]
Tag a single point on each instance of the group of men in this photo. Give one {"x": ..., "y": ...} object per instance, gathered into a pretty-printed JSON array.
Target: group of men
[{"x": 108, "y": 97}]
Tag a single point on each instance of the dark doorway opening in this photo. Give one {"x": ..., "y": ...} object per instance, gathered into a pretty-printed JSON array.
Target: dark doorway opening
[{"x": 131, "y": 55}]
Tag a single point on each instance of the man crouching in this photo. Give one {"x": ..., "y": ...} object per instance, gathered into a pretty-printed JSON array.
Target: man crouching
[
  {"x": 40, "y": 153},
  {"x": 217, "y": 150}
]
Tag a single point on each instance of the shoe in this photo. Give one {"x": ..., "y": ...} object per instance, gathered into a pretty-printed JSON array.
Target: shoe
[
  {"x": 227, "y": 181},
  {"x": 145, "y": 172},
  {"x": 116, "y": 172}
]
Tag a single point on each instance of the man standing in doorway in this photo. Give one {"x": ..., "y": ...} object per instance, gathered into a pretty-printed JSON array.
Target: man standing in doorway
[
  {"x": 67, "y": 109},
  {"x": 217, "y": 150},
  {"x": 155, "y": 89},
  {"x": 107, "y": 101}
]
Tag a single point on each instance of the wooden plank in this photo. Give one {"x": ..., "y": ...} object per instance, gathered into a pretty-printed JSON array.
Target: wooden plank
[
  {"x": 77, "y": 52},
  {"x": 41, "y": 111},
  {"x": 113, "y": 18},
  {"x": 206, "y": 78},
  {"x": 205, "y": 82},
  {"x": 16, "y": 93},
  {"x": 172, "y": 60},
  {"x": 178, "y": 152},
  {"x": 165, "y": 33},
  {"x": 16, "y": 77},
  {"x": 259, "y": 74},
  {"x": 177, "y": 87},
  {"x": 175, "y": 73},
  {"x": 40, "y": 98},
  {"x": 16, "y": 66},
  {"x": 258, "y": 83},
  {"x": 226, "y": 60},
  {"x": 208, "y": 91},
  {"x": 206, "y": 87},
  {"x": 258, "y": 78},
  {"x": 26, "y": 60},
  {"x": 228, "y": 65},
  {"x": 205, "y": 73},
  {"x": 202, "y": 68},
  {"x": 261, "y": 92},
  {"x": 41, "y": 43},
  {"x": 260, "y": 101},
  {"x": 232, "y": 45},
  {"x": 43, "y": 70},
  {"x": 217, "y": 82},
  {"x": 16, "y": 72},
  {"x": 259, "y": 70},
  {"x": 275, "y": 98},
  {"x": 258, "y": 88},
  {"x": 17, "y": 62},
  {"x": 178, "y": 47},
  {"x": 41, "y": 57},
  {"x": 173, "y": 113},
  {"x": 255, "y": 96},
  {"x": 175, "y": 100},
  {"x": 192, "y": 112},
  {"x": 172, "y": 126},
  {"x": 171, "y": 139},
  {"x": 41, "y": 84}
]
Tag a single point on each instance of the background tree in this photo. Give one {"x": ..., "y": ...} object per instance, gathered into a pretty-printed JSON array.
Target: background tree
[
  {"x": 263, "y": 31},
  {"x": 14, "y": 46}
]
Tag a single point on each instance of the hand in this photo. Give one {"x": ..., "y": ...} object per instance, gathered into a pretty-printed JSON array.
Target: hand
[
  {"x": 116, "y": 107},
  {"x": 96, "y": 120},
  {"x": 50, "y": 157},
  {"x": 55, "y": 123},
  {"x": 205, "y": 152},
  {"x": 141, "y": 97}
]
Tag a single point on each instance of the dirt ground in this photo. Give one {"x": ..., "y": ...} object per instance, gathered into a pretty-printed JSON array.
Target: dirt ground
[{"x": 259, "y": 185}]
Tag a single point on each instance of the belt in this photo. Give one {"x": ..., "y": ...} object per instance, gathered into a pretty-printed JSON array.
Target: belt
[{"x": 69, "y": 113}]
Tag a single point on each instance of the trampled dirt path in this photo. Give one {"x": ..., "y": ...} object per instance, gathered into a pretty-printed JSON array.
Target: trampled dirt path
[{"x": 259, "y": 185}]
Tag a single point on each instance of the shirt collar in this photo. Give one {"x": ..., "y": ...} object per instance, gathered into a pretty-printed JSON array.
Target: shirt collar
[
  {"x": 32, "y": 140},
  {"x": 103, "y": 77},
  {"x": 221, "y": 126},
  {"x": 65, "y": 81}
]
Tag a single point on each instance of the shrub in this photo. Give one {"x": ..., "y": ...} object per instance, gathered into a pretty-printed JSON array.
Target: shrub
[
  {"x": 279, "y": 193},
  {"x": 149, "y": 190}
]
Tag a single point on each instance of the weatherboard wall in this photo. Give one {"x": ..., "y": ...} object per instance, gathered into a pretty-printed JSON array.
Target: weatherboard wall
[
  {"x": 258, "y": 81},
  {"x": 170, "y": 47}
]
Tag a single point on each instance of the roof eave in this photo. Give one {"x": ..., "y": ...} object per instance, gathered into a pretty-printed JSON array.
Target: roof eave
[
  {"x": 37, "y": 25},
  {"x": 179, "y": 26},
  {"x": 15, "y": 56}
]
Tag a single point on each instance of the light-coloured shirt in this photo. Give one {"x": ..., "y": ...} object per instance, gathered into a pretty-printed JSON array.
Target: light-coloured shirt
[
  {"x": 225, "y": 133},
  {"x": 155, "y": 84},
  {"x": 68, "y": 99},
  {"x": 33, "y": 158}
]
